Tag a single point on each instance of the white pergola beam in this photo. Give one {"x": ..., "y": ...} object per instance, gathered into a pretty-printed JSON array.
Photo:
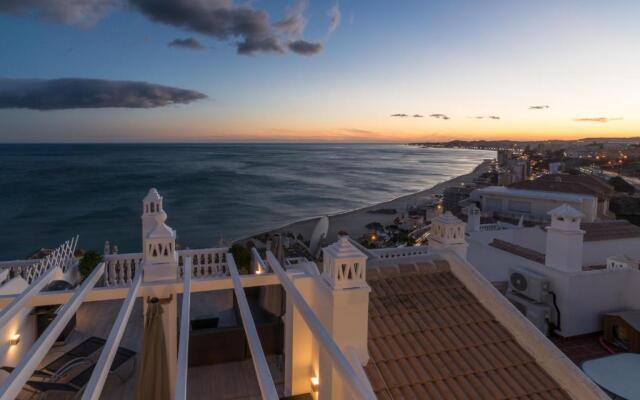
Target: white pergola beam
[
  {"x": 146, "y": 289},
  {"x": 101, "y": 371},
  {"x": 183, "y": 346},
  {"x": 359, "y": 389},
  {"x": 23, "y": 299},
  {"x": 265, "y": 381},
  {"x": 13, "y": 384}
]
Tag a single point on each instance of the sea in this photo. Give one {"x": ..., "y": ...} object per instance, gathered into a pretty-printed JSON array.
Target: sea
[{"x": 212, "y": 192}]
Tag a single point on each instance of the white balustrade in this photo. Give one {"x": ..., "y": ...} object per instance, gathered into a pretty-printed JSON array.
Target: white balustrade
[
  {"x": 121, "y": 268},
  {"x": 399, "y": 252},
  {"x": 205, "y": 262}
]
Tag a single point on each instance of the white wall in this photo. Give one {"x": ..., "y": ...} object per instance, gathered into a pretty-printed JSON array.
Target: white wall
[
  {"x": 582, "y": 296},
  {"x": 22, "y": 324},
  {"x": 596, "y": 253}
]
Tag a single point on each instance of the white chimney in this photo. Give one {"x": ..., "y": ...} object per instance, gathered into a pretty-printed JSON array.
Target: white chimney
[{"x": 565, "y": 239}]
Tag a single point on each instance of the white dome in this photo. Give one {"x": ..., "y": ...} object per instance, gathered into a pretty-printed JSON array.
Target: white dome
[{"x": 152, "y": 195}]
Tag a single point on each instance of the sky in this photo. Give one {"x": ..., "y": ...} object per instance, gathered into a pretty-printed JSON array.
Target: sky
[{"x": 287, "y": 70}]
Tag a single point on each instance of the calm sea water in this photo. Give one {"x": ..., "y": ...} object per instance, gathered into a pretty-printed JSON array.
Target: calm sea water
[{"x": 49, "y": 193}]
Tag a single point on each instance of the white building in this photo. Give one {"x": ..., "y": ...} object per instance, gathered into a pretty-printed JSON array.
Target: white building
[
  {"x": 533, "y": 204},
  {"x": 388, "y": 324},
  {"x": 591, "y": 267}
]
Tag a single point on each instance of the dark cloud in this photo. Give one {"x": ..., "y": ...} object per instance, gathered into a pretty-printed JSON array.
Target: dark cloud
[
  {"x": 400, "y": 115},
  {"x": 62, "y": 94},
  {"x": 543, "y": 107},
  {"x": 597, "y": 119},
  {"x": 305, "y": 48},
  {"x": 187, "y": 43},
  {"x": 493, "y": 117},
  {"x": 250, "y": 29},
  {"x": 440, "y": 116},
  {"x": 418, "y": 116}
]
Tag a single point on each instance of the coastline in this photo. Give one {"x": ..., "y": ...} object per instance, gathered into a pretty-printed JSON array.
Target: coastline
[{"x": 354, "y": 221}]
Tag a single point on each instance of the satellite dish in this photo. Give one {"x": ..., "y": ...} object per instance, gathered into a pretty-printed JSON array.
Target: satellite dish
[
  {"x": 518, "y": 281},
  {"x": 319, "y": 232}
]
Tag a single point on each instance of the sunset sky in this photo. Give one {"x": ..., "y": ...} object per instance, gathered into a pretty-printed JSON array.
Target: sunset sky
[{"x": 199, "y": 70}]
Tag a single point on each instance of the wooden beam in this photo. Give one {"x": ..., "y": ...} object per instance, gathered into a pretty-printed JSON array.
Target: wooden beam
[
  {"x": 101, "y": 371},
  {"x": 265, "y": 381},
  {"x": 13, "y": 384},
  {"x": 183, "y": 346},
  {"x": 359, "y": 389}
]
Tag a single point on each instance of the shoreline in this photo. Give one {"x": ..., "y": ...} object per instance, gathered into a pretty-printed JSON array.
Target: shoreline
[{"x": 354, "y": 221}]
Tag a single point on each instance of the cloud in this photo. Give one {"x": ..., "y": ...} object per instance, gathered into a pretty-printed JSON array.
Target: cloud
[
  {"x": 495, "y": 117},
  {"x": 400, "y": 115},
  {"x": 251, "y": 30},
  {"x": 294, "y": 22},
  {"x": 543, "y": 107},
  {"x": 75, "y": 12},
  {"x": 187, "y": 43},
  {"x": 597, "y": 119},
  {"x": 335, "y": 16},
  {"x": 418, "y": 116},
  {"x": 71, "y": 93},
  {"x": 305, "y": 48},
  {"x": 440, "y": 116}
]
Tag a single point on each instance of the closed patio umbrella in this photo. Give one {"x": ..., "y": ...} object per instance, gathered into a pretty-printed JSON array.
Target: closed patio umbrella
[{"x": 153, "y": 376}]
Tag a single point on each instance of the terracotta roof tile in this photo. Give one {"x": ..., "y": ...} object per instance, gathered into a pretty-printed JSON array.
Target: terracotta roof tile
[
  {"x": 610, "y": 230},
  {"x": 517, "y": 250},
  {"x": 429, "y": 337}
]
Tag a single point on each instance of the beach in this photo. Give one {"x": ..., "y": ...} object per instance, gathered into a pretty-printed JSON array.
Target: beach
[{"x": 354, "y": 222}]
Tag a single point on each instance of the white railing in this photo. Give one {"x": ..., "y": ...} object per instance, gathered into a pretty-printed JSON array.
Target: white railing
[
  {"x": 30, "y": 270},
  {"x": 492, "y": 227},
  {"x": 399, "y": 252},
  {"x": 121, "y": 268},
  {"x": 205, "y": 262}
]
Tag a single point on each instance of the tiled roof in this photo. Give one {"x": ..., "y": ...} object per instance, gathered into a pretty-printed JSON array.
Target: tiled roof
[
  {"x": 430, "y": 338},
  {"x": 517, "y": 250},
  {"x": 610, "y": 230}
]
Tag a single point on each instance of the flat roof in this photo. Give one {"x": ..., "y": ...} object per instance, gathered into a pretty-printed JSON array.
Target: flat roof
[{"x": 535, "y": 194}]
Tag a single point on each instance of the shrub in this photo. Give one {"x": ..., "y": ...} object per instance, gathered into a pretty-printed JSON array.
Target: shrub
[{"x": 88, "y": 262}]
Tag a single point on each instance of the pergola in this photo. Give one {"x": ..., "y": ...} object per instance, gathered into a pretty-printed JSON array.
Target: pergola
[{"x": 269, "y": 272}]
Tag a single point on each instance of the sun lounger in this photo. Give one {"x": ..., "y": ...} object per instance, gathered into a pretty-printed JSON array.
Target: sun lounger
[
  {"x": 79, "y": 381},
  {"x": 83, "y": 350}
]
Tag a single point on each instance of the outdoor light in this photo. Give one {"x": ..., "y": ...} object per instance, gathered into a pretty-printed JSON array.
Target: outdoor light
[
  {"x": 315, "y": 384},
  {"x": 14, "y": 340}
]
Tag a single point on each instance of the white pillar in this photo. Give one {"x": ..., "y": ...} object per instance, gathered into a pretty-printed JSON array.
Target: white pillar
[
  {"x": 160, "y": 264},
  {"x": 343, "y": 307}
]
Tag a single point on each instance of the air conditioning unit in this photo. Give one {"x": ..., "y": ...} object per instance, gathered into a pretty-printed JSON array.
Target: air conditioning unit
[
  {"x": 529, "y": 284},
  {"x": 537, "y": 313}
]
